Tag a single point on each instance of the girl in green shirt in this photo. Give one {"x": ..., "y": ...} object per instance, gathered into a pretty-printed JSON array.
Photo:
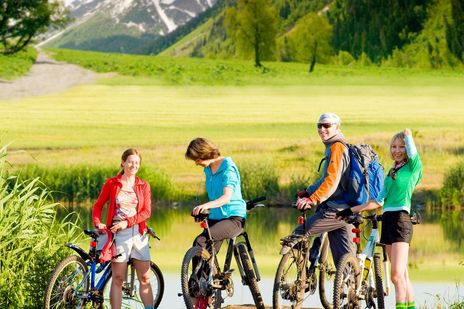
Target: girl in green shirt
[{"x": 395, "y": 197}]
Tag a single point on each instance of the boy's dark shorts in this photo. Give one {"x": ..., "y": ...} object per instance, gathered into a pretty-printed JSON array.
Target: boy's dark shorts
[{"x": 396, "y": 227}]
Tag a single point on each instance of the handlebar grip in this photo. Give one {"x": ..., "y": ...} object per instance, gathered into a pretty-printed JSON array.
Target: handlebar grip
[
  {"x": 252, "y": 203},
  {"x": 257, "y": 200}
]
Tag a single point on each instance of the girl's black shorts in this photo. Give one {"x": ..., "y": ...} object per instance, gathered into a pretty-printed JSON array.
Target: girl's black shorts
[{"x": 396, "y": 227}]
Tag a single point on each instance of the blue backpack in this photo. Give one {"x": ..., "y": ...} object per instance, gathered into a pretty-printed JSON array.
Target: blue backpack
[{"x": 366, "y": 174}]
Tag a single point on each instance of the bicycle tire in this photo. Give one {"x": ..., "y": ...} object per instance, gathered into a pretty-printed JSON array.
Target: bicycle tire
[
  {"x": 250, "y": 275},
  {"x": 72, "y": 269},
  {"x": 134, "y": 301},
  {"x": 347, "y": 277},
  {"x": 326, "y": 273},
  {"x": 288, "y": 272},
  {"x": 190, "y": 277},
  {"x": 378, "y": 281}
]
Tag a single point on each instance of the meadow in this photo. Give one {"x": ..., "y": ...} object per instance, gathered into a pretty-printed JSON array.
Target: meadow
[{"x": 264, "y": 119}]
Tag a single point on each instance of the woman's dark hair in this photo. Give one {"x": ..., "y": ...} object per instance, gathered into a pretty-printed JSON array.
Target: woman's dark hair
[{"x": 201, "y": 148}]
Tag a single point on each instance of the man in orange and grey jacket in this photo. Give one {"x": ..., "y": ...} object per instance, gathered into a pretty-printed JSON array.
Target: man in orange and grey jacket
[{"x": 327, "y": 193}]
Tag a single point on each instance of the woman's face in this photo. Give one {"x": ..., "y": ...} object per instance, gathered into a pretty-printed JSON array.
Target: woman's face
[
  {"x": 202, "y": 163},
  {"x": 398, "y": 150},
  {"x": 131, "y": 165}
]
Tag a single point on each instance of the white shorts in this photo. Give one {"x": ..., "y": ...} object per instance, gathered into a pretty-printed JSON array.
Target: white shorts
[{"x": 130, "y": 244}]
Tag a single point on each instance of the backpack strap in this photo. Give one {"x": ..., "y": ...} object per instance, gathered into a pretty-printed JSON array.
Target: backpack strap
[{"x": 320, "y": 164}]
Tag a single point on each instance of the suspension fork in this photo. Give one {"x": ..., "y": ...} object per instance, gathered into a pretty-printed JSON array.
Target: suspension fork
[
  {"x": 385, "y": 267},
  {"x": 252, "y": 256}
]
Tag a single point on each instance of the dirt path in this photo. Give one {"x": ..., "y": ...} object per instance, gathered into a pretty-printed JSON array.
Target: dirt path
[{"x": 46, "y": 76}]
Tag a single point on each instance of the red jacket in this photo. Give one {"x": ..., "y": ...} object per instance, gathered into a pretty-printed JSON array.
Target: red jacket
[{"x": 109, "y": 193}]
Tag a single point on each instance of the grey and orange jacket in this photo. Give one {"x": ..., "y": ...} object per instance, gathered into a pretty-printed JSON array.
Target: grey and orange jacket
[{"x": 333, "y": 184}]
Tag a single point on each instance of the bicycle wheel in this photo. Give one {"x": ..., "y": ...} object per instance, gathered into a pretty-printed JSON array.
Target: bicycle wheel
[
  {"x": 290, "y": 280},
  {"x": 347, "y": 280},
  {"x": 68, "y": 285},
  {"x": 194, "y": 278},
  {"x": 250, "y": 275},
  {"x": 326, "y": 276},
  {"x": 131, "y": 296},
  {"x": 378, "y": 281}
]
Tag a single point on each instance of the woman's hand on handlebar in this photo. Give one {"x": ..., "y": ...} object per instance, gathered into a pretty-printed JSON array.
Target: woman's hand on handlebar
[
  {"x": 100, "y": 226},
  {"x": 199, "y": 209}
]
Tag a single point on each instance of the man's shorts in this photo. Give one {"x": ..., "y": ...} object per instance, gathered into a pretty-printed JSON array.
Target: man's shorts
[
  {"x": 396, "y": 227},
  {"x": 130, "y": 244}
]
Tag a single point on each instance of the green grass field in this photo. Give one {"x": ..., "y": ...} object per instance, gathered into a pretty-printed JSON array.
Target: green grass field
[
  {"x": 14, "y": 66},
  {"x": 270, "y": 119},
  {"x": 159, "y": 104}
]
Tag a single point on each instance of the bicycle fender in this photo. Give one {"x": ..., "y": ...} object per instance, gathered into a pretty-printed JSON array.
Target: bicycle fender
[{"x": 84, "y": 255}]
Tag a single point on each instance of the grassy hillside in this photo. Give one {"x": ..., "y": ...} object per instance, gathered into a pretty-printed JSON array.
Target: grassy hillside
[{"x": 13, "y": 66}]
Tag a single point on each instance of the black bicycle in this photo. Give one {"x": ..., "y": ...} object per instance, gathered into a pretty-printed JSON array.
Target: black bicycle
[
  {"x": 81, "y": 281},
  {"x": 300, "y": 269},
  {"x": 202, "y": 277}
]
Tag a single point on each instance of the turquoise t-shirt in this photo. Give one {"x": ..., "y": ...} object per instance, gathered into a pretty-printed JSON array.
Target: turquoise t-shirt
[
  {"x": 396, "y": 194},
  {"x": 227, "y": 175}
]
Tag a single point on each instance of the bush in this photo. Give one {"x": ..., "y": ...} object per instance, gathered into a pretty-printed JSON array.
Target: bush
[
  {"x": 259, "y": 179},
  {"x": 31, "y": 239},
  {"x": 344, "y": 58},
  {"x": 77, "y": 184},
  {"x": 452, "y": 192}
]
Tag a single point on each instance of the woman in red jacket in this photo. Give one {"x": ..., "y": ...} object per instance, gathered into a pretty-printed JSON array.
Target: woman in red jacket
[{"x": 129, "y": 206}]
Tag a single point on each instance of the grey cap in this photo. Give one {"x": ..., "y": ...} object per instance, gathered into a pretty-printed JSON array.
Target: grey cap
[{"x": 329, "y": 118}]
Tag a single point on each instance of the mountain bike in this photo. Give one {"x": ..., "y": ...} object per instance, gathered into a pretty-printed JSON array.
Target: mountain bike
[
  {"x": 81, "y": 281},
  {"x": 202, "y": 277},
  {"x": 357, "y": 278},
  {"x": 301, "y": 268}
]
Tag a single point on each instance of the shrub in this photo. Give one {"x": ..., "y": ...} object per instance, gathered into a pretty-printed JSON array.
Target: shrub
[
  {"x": 31, "y": 239},
  {"x": 452, "y": 192},
  {"x": 259, "y": 179},
  {"x": 344, "y": 58}
]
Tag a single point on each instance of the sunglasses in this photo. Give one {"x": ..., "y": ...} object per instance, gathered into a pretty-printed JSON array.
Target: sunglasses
[{"x": 324, "y": 125}]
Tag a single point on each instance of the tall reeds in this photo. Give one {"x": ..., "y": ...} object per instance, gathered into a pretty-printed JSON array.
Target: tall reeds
[
  {"x": 31, "y": 238},
  {"x": 80, "y": 183}
]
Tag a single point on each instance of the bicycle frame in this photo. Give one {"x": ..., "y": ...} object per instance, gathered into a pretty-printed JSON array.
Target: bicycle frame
[
  {"x": 309, "y": 253},
  {"x": 91, "y": 259},
  {"x": 230, "y": 253},
  {"x": 92, "y": 262},
  {"x": 368, "y": 253}
]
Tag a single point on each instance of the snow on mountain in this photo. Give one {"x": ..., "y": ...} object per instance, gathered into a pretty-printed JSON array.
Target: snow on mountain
[{"x": 156, "y": 16}]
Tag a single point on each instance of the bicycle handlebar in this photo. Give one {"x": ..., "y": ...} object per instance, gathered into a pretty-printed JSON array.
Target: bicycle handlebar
[
  {"x": 254, "y": 202},
  {"x": 249, "y": 206}
]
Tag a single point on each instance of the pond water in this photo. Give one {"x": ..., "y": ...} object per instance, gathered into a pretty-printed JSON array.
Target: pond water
[{"x": 428, "y": 294}]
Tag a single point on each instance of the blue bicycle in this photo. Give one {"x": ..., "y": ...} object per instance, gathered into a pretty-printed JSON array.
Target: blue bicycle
[{"x": 81, "y": 281}]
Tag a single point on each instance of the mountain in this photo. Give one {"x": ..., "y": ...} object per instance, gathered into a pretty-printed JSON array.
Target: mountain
[
  {"x": 415, "y": 33},
  {"x": 124, "y": 25}
]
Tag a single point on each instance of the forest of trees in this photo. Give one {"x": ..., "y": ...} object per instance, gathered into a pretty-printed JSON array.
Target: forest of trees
[{"x": 416, "y": 33}]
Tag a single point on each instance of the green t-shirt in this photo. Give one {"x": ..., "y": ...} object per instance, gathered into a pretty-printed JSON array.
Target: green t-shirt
[{"x": 396, "y": 194}]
